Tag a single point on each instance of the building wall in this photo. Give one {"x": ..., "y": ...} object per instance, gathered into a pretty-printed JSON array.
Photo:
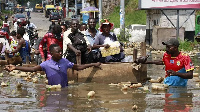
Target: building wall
[
  {"x": 2, "y": 4},
  {"x": 107, "y": 5},
  {"x": 157, "y": 18},
  {"x": 162, "y": 34}
]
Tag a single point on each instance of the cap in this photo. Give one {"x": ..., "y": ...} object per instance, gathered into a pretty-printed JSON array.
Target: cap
[{"x": 171, "y": 41}]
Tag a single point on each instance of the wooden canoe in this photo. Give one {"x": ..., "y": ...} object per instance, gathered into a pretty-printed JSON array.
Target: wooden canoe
[{"x": 112, "y": 72}]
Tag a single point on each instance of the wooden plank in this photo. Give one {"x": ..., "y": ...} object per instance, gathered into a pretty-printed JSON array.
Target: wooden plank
[{"x": 134, "y": 55}]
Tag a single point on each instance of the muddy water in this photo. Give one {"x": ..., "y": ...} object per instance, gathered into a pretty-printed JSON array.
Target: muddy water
[{"x": 35, "y": 97}]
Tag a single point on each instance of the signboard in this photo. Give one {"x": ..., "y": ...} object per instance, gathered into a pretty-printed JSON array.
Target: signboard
[
  {"x": 79, "y": 6},
  {"x": 169, "y": 4}
]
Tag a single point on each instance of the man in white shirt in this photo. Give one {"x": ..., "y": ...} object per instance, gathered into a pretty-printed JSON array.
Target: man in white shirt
[
  {"x": 17, "y": 24},
  {"x": 4, "y": 46},
  {"x": 6, "y": 25},
  {"x": 30, "y": 26}
]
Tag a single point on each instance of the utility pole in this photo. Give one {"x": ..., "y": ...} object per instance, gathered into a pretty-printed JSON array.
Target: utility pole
[
  {"x": 177, "y": 25},
  {"x": 54, "y": 2},
  {"x": 75, "y": 7},
  {"x": 67, "y": 11},
  {"x": 100, "y": 11},
  {"x": 83, "y": 4},
  {"x": 122, "y": 20}
]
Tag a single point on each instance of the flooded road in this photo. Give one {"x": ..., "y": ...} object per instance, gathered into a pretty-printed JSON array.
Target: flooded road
[{"x": 35, "y": 97}]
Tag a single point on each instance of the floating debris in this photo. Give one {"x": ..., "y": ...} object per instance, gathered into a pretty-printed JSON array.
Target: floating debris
[
  {"x": 46, "y": 81},
  {"x": 145, "y": 88},
  {"x": 158, "y": 86},
  {"x": 195, "y": 74},
  {"x": 197, "y": 66},
  {"x": 196, "y": 79},
  {"x": 91, "y": 94},
  {"x": 22, "y": 74},
  {"x": 19, "y": 85},
  {"x": 124, "y": 87},
  {"x": 3, "y": 84},
  {"x": 71, "y": 82},
  {"x": 160, "y": 79},
  {"x": 53, "y": 87},
  {"x": 34, "y": 73},
  {"x": 153, "y": 81},
  {"x": 136, "y": 85},
  {"x": 134, "y": 107},
  {"x": 1, "y": 74},
  {"x": 35, "y": 80},
  {"x": 29, "y": 78},
  {"x": 112, "y": 84}
]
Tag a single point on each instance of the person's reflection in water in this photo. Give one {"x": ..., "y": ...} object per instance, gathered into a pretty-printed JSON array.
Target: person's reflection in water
[
  {"x": 56, "y": 101},
  {"x": 178, "y": 100}
]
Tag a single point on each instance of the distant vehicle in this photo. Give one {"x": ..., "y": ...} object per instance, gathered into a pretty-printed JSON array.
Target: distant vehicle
[
  {"x": 22, "y": 17},
  {"x": 18, "y": 8},
  {"x": 54, "y": 16},
  {"x": 51, "y": 8},
  {"x": 28, "y": 9},
  {"x": 9, "y": 6},
  {"x": 38, "y": 7}
]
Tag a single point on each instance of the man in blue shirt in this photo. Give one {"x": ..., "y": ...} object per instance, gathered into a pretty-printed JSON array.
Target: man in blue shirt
[
  {"x": 28, "y": 14},
  {"x": 91, "y": 33},
  {"x": 55, "y": 68}
]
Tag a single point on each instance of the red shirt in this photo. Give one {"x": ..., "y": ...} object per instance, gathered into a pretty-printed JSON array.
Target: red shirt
[
  {"x": 6, "y": 25},
  {"x": 182, "y": 63},
  {"x": 49, "y": 39},
  {"x": 4, "y": 34}
]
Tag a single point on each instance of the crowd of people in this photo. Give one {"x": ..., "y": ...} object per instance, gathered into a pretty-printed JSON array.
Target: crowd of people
[
  {"x": 70, "y": 44},
  {"x": 63, "y": 44},
  {"x": 77, "y": 39}
]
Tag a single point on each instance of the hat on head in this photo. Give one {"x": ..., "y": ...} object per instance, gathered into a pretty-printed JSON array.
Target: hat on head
[
  {"x": 106, "y": 21},
  {"x": 171, "y": 41}
]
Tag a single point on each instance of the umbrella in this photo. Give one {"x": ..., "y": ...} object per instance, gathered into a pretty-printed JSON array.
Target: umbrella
[{"x": 90, "y": 9}]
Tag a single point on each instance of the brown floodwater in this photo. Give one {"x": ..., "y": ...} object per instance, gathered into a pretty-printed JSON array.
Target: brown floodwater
[{"x": 34, "y": 97}]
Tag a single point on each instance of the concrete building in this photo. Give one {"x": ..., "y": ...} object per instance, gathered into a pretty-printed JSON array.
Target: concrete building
[{"x": 2, "y": 4}]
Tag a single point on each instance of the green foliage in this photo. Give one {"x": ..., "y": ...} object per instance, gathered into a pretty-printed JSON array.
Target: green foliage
[
  {"x": 187, "y": 45},
  {"x": 6, "y": 12},
  {"x": 124, "y": 38},
  {"x": 1, "y": 23},
  {"x": 197, "y": 12},
  {"x": 132, "y": 14}
]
